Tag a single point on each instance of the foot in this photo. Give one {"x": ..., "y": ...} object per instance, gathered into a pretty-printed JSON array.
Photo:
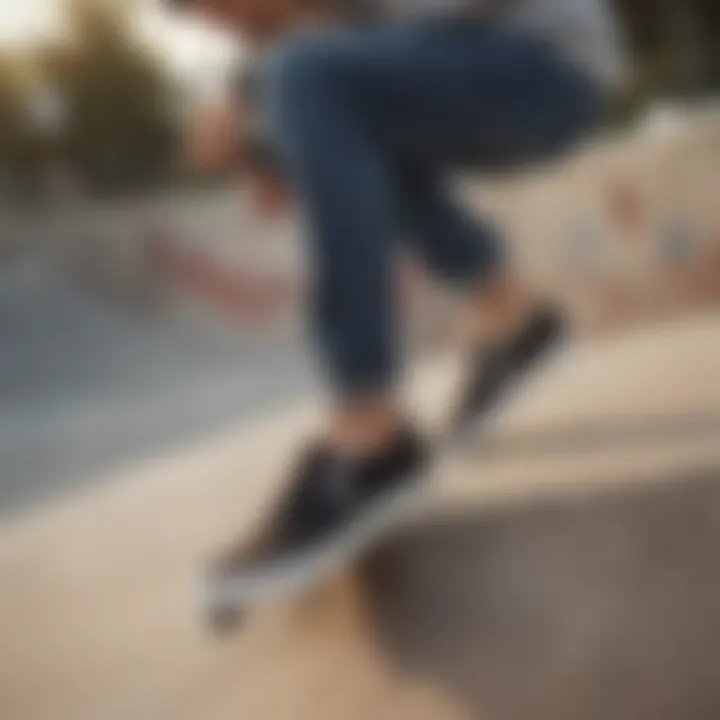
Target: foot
[
  {"x": 335, "y": 508},
  {"x": 494, "y": 369}
]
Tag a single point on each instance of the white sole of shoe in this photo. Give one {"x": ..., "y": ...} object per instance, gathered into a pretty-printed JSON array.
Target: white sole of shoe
[{"x": 297, "y": 573}]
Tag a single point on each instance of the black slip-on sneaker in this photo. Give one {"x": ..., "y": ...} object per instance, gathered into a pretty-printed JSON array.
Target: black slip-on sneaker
[
  {"x": 335, "y": 508},
  {"x": 495, "y": 370}
]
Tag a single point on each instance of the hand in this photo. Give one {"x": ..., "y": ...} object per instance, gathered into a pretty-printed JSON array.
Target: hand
[
  {"x": 270, "y": 196},
  {"x": 212, "y": 143},
  {"x": 261, "y": 20}
]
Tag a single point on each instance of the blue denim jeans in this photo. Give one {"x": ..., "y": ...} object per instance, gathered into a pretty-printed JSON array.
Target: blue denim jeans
[{"x": 368, "y": 124}]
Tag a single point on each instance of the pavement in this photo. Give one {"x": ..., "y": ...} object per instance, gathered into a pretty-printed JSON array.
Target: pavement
[{"x": 565, "y": 569}]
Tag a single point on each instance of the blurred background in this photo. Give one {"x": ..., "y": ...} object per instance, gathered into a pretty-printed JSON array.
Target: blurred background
[
  {"x": 136, "y": 297},
  {"x": 147, "y": 312},
  {"x": 143, "y": 303}
]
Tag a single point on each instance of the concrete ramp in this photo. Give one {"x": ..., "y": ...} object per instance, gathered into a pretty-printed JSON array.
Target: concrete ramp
[
  {"x": 608, "y": 608},
  {"x": 568, "y": 573}
]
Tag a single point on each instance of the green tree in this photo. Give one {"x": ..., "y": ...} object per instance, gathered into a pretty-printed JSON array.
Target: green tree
[
  {"x": 676, "y": 44},
  {"x": 18, "y": 150},
  {"x": 11, "y": 111},
  {"x": 119, "y": 128}
]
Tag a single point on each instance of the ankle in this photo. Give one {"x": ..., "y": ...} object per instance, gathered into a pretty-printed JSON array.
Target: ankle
[
  {"x": 364, "y": 427},
  {"x": 496, "y": 312}
]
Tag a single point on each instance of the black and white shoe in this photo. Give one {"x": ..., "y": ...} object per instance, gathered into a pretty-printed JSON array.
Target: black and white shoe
[
  {"x": 496, "y": 370},
  {"x": 335, "y": 509}
]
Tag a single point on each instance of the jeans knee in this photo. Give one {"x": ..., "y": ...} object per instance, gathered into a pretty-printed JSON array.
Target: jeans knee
[{"x": 300, "y": 72}]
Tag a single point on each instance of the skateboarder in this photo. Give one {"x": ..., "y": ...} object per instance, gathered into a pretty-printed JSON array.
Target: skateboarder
[{"x": 365, "y": 114}]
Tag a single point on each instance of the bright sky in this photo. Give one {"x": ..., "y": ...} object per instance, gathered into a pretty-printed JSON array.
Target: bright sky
[
  {"x": 31, "y": 18},
  {"x": 200, "y": 55}
]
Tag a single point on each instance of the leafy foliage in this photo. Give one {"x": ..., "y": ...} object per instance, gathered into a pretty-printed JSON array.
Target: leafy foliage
[{"x": 119, "y": 127}]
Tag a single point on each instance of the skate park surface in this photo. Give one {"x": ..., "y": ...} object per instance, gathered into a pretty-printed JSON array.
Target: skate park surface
[
  {"x": 565, "y": 571},
  {"x": 86, "y": 385}
]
